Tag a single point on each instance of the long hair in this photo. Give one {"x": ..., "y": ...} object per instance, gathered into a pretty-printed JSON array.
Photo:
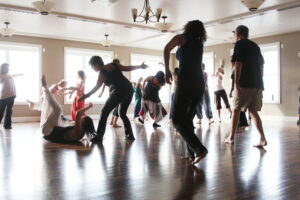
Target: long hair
[
  {"x": 88, "y": 127},
  {"x": 81, "y": 75},
  {"x": 195, "y": 30}
]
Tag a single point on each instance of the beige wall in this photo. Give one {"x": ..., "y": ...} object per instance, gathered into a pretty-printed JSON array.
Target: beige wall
[
  {"x": 290, "y": 71},
  {"x": 53, "y": 67},
  {"x": 53, "y": 63}
]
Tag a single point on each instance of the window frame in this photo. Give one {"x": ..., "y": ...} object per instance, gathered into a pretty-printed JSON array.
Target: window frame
[
  {"x": 40, "y": 61},
  {"x": 278, "y": 45},
  {"x": 92, "y": 51}
]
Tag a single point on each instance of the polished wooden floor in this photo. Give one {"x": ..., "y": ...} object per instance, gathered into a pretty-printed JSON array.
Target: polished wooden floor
[{"x": 150, "y": 167}]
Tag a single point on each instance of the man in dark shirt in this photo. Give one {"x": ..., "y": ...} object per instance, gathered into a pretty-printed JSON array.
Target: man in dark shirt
[{"x": 248, "y": 62}]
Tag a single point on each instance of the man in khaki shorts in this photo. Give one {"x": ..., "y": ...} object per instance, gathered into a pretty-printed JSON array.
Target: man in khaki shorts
[{"x": 248, "y": 62}]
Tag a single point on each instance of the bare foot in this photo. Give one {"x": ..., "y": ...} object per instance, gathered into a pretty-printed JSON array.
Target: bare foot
[
  {"x": 210, "y": 121},
  {"x": 116, "y": 126},
  {"x": 261, "y": 144},
  {"x": 199, "y": 122},
  {"x": 200, "y": 157},
  {"x": 229, "y": 141}
]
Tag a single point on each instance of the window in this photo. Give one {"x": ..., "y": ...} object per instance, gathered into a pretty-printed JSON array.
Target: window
[
  {"x": 208, "y": 60},
  {"x": 24, "y": 59},
  {"x": 78, "y": 59},
  {"x": 154, "y": 67},
  {"x": 271, "y": 54}
]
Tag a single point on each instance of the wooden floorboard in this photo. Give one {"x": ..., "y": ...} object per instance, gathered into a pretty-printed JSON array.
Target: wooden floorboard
[{"x": 151, "y": 166}]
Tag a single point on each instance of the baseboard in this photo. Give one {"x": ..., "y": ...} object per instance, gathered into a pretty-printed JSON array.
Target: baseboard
[{"x": 25, "y": 119}]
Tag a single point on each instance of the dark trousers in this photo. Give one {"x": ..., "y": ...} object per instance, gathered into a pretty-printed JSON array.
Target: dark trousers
[
  {"x": 116, "y": 112},
  {"x": 137, "y": 107},
  {"x": 184, "y": 111},
  {"x": 115, "y": 99},
  {"x": 206, "y": 104},
  {"x": 221, "y": 94},
  {"x": 243, "y": 119},
  {"x": 171, "y": 105},
  {"x": 6, "y": 104}
]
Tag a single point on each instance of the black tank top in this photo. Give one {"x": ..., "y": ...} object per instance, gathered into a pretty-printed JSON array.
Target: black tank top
[
  {"x": 190, "y": 76},
  {"x": 151, "y": 92},
  {"x": 116, "y": 80}
]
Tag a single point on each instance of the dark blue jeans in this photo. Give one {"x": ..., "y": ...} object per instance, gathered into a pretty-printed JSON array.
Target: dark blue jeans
[
  {"x": 206, "y": 104},
  {"x": 137, "y": 107}
]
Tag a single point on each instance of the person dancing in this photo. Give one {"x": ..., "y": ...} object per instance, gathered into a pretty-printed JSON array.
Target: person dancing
[
  {"x": 54, "y": 133},
  {"x": 220, "y": 92},
  {"x": 121, "y": 92},
  {"x": 151, "y": 102},
  {"x": 137, "y": 87},
  {"x": 7, "y": 94},
  {"x": 79, "y": 93},
  {"x": 190, "y": 86}
]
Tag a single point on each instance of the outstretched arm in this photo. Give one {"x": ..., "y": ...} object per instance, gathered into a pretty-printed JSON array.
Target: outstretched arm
[
  {"x": 15, "y": 75},
  {"x": 131, "y": 68},
  {"x": 99, "y": 83}
]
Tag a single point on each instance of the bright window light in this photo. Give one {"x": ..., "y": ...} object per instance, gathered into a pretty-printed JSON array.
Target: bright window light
[
  {"x": 154, "y": 67},
  {"x": 271, "y": 54},
  {"x": 78, "y": 59},
  {"x": 208, "y": 60},
  {"x": 25, "y": 59}
]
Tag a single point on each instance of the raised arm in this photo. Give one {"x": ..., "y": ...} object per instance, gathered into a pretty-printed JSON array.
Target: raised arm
[
  {"x": 175, "y": 41},
  {"x": 99, "y": 83},
  {"x": 15, "y": 75},
  {"x": 131, "y": 68}
]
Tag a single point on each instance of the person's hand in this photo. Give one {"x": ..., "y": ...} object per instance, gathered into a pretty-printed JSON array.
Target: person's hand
[
  {"x": 143, "y": 66},
  {"x": 238, "y": 89},
  {"x": 90, "y": 105},
  {"x": 44, "y": 83},
  {"x": 168, "y": 76},
  {"x": 82, "y": 98}
]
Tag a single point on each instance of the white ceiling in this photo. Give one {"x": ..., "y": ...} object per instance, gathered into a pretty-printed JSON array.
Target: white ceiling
[{"x": 116, "y": 20}]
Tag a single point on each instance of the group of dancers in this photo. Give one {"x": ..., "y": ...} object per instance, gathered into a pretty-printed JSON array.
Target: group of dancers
[{"x": 189, "y": 87}]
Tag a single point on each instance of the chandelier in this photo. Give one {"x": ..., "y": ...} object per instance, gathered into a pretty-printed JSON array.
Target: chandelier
[
  {"x": 106, "y": 42},
  {"x": 7, "y": 32},
  {"x": 146, "y": 14}
]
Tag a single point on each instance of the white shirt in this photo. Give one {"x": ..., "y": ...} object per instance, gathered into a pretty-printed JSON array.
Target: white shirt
[
  {"x": 7, "y": 86},
  {"x": 218, "y": 83}
]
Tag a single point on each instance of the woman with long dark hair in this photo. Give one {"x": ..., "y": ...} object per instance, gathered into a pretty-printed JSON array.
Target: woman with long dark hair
[
  {"x": 120, "y": 93},
  {"x": 190, "y": 86}
]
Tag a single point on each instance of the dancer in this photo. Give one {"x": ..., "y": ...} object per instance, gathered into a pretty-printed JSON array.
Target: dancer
[
  {"x": 79, "y": 93},
  {"x": 243, "y": 123},
  {"x": 57, "y": 88},
  {"x": 121, "y": 92},
  {"x": 7, "y": 94},
  {"x": 137, "y": 87},
  {"x": 115, "y": 116},
  {"x": 54, "y": 133},
  {"x": 220, "y": 92},
  {"x": 173, "y": 90},
  {"x": 205, "y": 101},
  {"x": 248, "y": 62},
  {"x": 190, "y": 86},
  {"x": 151, "y": 102}
]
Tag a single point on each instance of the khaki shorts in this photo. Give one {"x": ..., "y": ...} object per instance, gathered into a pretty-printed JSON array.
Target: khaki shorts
[{"x": 249, "y": 98}]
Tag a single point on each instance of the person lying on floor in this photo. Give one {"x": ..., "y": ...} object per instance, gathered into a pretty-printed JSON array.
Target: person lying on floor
[{"x": 54, "y": 133}]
